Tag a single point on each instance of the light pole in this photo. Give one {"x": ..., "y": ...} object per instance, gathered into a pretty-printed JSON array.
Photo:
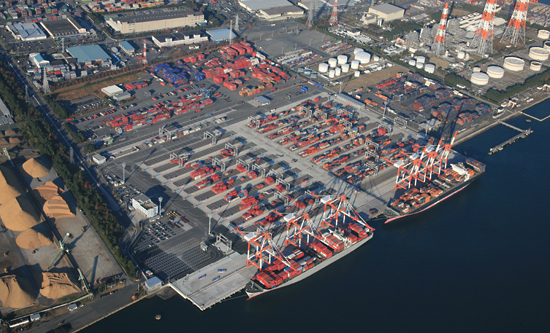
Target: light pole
[
  {"x": 123, "y": 172},
  {"x": 160, "y": 206}
]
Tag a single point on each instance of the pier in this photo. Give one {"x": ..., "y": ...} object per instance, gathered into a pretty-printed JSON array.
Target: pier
[
  {"x": 522, "y": 135},
  {"x": 535, "y": 118}
]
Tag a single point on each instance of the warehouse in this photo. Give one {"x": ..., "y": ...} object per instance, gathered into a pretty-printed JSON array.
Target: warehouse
[
  {"x": 221, "y": 34},
  {"x": 255, "y": 5},
  {"x": 387, "y": 12},
  {"x": 63, "y": 28},
  {"x": 38, "y": 60},
  {"x": 153, "y": 22},
  {"x": 88, "y": 53},
  {"x": 178, "y": 38},
  {"x": 111, "y": 91},
  {"x": 280, "y": 13},
  {"x": 26, "y": 31},
  {"x": 127, "y": 47},
  {"x": 323, "y": 4},
  {"x": 123, "y": 96}
]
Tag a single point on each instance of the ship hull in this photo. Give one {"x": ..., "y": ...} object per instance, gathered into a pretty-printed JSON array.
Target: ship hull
[
  {"x": 314, "y": 269},
  {"x": 444, "y": 197}
]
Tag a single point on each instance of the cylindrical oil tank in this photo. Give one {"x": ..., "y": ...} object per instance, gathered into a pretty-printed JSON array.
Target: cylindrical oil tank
[
  {"x": 543, "y": 34},
  {"x": 480, "y": 79},
  {"x": 375, "y": 58},
  {"x": 461, "y": 55},
  {"x": 323, "y": 67},
  {"x": 430, "y": 68},
  {"x": 355, "y": 64},
  {"x": 331, "y": 73},
  {"x": 342, "y": 59},
  {"x": 495, "y": 72},
  {"x": 419, "y": 65},
  {"x": 332, "y": 62},
  {"x": 357, "y": 50},
  {"x": 546, "y": 44},
  {"x": 477, "y": 69},
  {"x": 535, "y": 66},
  {"x": 338, "y": 71},
  {"x": 357, "y": 74},
  {"x": 421, "y": 59},
  {"x": 363, "y": 57},
  {"x": 345, "y": 68},
  {"x": 539, "y": 53},
  {"x": 514, "y": 64},
  {"x": 412, "y": 62}
]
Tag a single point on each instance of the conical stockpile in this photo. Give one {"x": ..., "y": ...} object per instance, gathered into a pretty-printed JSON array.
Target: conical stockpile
[
  {"x": 57, "y": 208},
  {"x": 9, "y": 186},
  {"x": 35, "y": 167},
  {"x": 55, "y": 285},
  {"x": 18, "y": 214},
  {"x": 47, "y": 191},
  {"x": 32, "y": 239},
  {"x": 10, "y": 132},
  {"x": 12, "y": 294}
]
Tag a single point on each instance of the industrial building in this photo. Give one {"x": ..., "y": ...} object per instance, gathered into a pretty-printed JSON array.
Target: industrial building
[
  {"x": 26, "y": 31},
  {"x": 89, "y": 53},
  {"x": 38, "y": 60},
  {"x": 111, "y": 90},
  {"x": 63, "y": 28},
  {"x": 221, "y": 34},
  {"x": 255, "y": 5},
  {"x": 280, "y": 13},
  {"x": 384, "y": 12},
  {"x": 153, "y": 22},
  {"x": 152, "y": 284},
  {"x": 127, "y": 48},
  {"x": 99, "y": 159},
  {"x": 123, "y": 96},
  {"x": 323, "y": 4},
  {"x": 178, "y": 38},
  {"x": 145, "y": 206}
]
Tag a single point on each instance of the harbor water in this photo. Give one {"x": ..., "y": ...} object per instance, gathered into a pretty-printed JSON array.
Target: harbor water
[{"x": 477, "y": 262}]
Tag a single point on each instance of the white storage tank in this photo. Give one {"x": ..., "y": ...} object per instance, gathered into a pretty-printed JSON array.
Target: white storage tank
[
  {"x": 323, "y": 67},
  {"x": 477, "y": 69},
  {"x": 342, "y": 59},
  {"x": 375, "y": 58},
  {"x": 430, "y": 68},
  {"x": 543, "y": 34},
  {"x": 480, "y": 79},
  {"x": 357, "y": 73},
  {"x": 345, "y": 68},
  {"x": 338, "y": 71},
  {"x": 419, "y": 65},
  {"x": 461, "y": 55},
  {"x": 355, "y": 64},
  {"x": 421, "y": 59},
  {"x": 535, "y": 66},
  {"x": 412, "y": 62},
  {"x": 495, "y": 72},
  {"x": 546, "y": 44},
  {"x": 331, "y": 73},
  {"x": 539, "y": 53},
  {"x": 332, "y": 62},
  {"x": 514, "y": 64},
  {"x": 363, "y": 57},
  {"x": 357, "y": 50}
]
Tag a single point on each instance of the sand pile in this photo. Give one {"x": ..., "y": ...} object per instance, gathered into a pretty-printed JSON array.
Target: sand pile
[
  {"x": 35, "y": 167},
  {"x": 57, "y": 208},
  {"x": 12, "y": 294},
  {"x": 14, "y": 140},
  {"x": 9, "y": 186},
  {"x": 32, "y": 239},
  {"x": 55, "y": 285},
  {"x": 11, "y": 132},
  {"x": 47, "y": 191},
  {"x": 3, "y": 141},
  {"x": 18, "y": 214}
]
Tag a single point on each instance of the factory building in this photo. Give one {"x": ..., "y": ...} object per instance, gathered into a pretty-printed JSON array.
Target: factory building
[
  {"x": 63, "y": 28},
  {"x": 255, "y": 5},
  {"x": 179, "y": 38},
  {"x": 127, "y": 48},
  {"x": 89, "y": 53},
  {"x": 26, "y": 31},
  {"x": 384, "y": 12},
  {"x": 153, "y": 22},
  {"x": 221, "y": 34},
  {"x": 38, "y": 60},
  {"x": 145, "y": 206},
  {"x": 280, "y": 13}
]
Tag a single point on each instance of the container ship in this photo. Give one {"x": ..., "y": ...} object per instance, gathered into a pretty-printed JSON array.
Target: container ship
[
  {"x": 450, "y": 181},
  {"x": 307, "y": 249}
]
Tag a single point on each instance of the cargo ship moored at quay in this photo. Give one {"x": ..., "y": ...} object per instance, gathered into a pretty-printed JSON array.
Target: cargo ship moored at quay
[{"x": 308, "y": 247}]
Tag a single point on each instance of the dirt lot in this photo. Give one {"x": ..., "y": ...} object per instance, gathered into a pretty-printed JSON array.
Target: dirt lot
[
  {"x": 369, "y": 80},
  {"x": 74, "y": 92},
  {"x": 439, "y": 62}
]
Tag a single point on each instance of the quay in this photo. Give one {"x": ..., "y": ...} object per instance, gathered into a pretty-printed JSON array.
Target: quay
[{"x": 522, "y": 135}]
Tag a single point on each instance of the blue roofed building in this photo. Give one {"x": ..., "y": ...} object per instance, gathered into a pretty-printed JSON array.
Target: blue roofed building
[
  {"x": 219, "y": 35},
  {"x": 127, "y": 47},
  {"x": 26, "y": 31},
  {"x": 38, "y": 60},
  {"x": 89, "y": 53}
]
